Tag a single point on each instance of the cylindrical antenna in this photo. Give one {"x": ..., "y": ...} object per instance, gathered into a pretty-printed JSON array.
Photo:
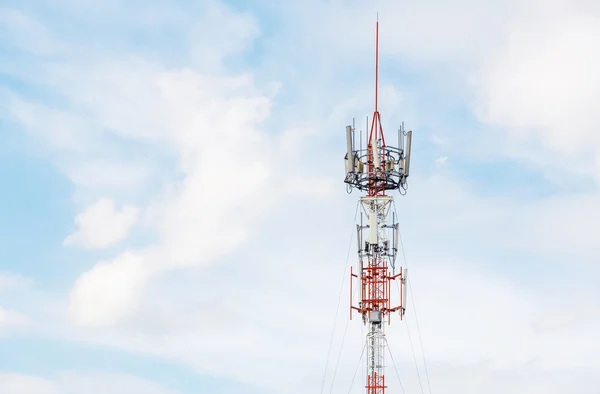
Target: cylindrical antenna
[
  {"x": 361, "y": 238},
  {"x": 373, "y": 228},
  {"x": 353, "y": 139},
  {"x": 350, "y": 158},
  {"x": 375, "y": 150},
  {"x": 358, "y": 239},
  {"x": 407, "y": 154},
  {"x": 360, "y": 139},
  {"x": 396, "y": 232},
  {"x": 367, "y": 133}
]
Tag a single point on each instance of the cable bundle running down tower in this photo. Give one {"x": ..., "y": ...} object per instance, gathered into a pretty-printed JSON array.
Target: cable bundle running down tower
[{"x": 376, "y": 168}]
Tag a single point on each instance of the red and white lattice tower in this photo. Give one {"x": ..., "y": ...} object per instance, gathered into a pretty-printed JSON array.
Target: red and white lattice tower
[{"x": 377, "y": 168}]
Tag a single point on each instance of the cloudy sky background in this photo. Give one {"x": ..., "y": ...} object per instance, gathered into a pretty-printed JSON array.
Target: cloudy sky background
[{"x": 173, "y": 217}]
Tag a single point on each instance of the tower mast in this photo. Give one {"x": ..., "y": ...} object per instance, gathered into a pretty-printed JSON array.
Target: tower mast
[{"x": 375, "y": 169}]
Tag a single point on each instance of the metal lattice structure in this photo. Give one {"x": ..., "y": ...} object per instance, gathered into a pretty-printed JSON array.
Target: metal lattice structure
[{"x": 375, "y": 169}]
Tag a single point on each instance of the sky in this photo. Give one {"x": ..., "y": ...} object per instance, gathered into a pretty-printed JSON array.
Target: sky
[{"x": 173, "y": 217}]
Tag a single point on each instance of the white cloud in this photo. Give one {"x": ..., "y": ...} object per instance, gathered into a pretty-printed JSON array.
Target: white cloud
[
  {"x": 102, "y": 225},
  {"x": 24, "y": 32},
  {"x": 61, "y": 128},
  {"x": 436, "y": 140},
  {"x": 68, "y": 383},
  {"x": 441, "y": 161},
  {"x": 209, "y": 123},
  {"x": 234, "y": 174},
  {"x": 17, "y": 384},
  {"x": 542, "y": 84},
  {"x": 10, "y": 318},
  {"x": 110, "y": 290},
  {"x": 449, "y": 32},
  {"x": 108, "y": 383},
  {"x": 10, "y": 281},
  {"x": 508, "y": 326},
  {"x": 562, "y": 226},
  {"x": 100, "y": 175}
]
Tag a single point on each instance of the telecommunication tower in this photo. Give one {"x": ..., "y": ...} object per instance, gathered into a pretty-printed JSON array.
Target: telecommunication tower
[{"x": 375, "y": 169}]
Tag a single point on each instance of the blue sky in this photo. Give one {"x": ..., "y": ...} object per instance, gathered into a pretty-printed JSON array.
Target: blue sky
[{"x": 173, "y": 179}]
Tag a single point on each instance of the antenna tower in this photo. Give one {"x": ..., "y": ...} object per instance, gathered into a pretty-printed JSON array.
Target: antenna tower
[{"x": 375, "y": 169}]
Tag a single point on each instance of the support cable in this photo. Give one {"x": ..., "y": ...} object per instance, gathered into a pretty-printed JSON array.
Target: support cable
[
  {"x": 412, "y": 298},
  {"x": 414, "y": 358},
  {"x": 340, "y": 353},
  {"x": 394, "y": 364},
  {"x": 363, "y": 369},
  {"x": 412, "y": 348},
  {"x": 357, "y": 365},
  {"x": 339, "y": 299}
]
